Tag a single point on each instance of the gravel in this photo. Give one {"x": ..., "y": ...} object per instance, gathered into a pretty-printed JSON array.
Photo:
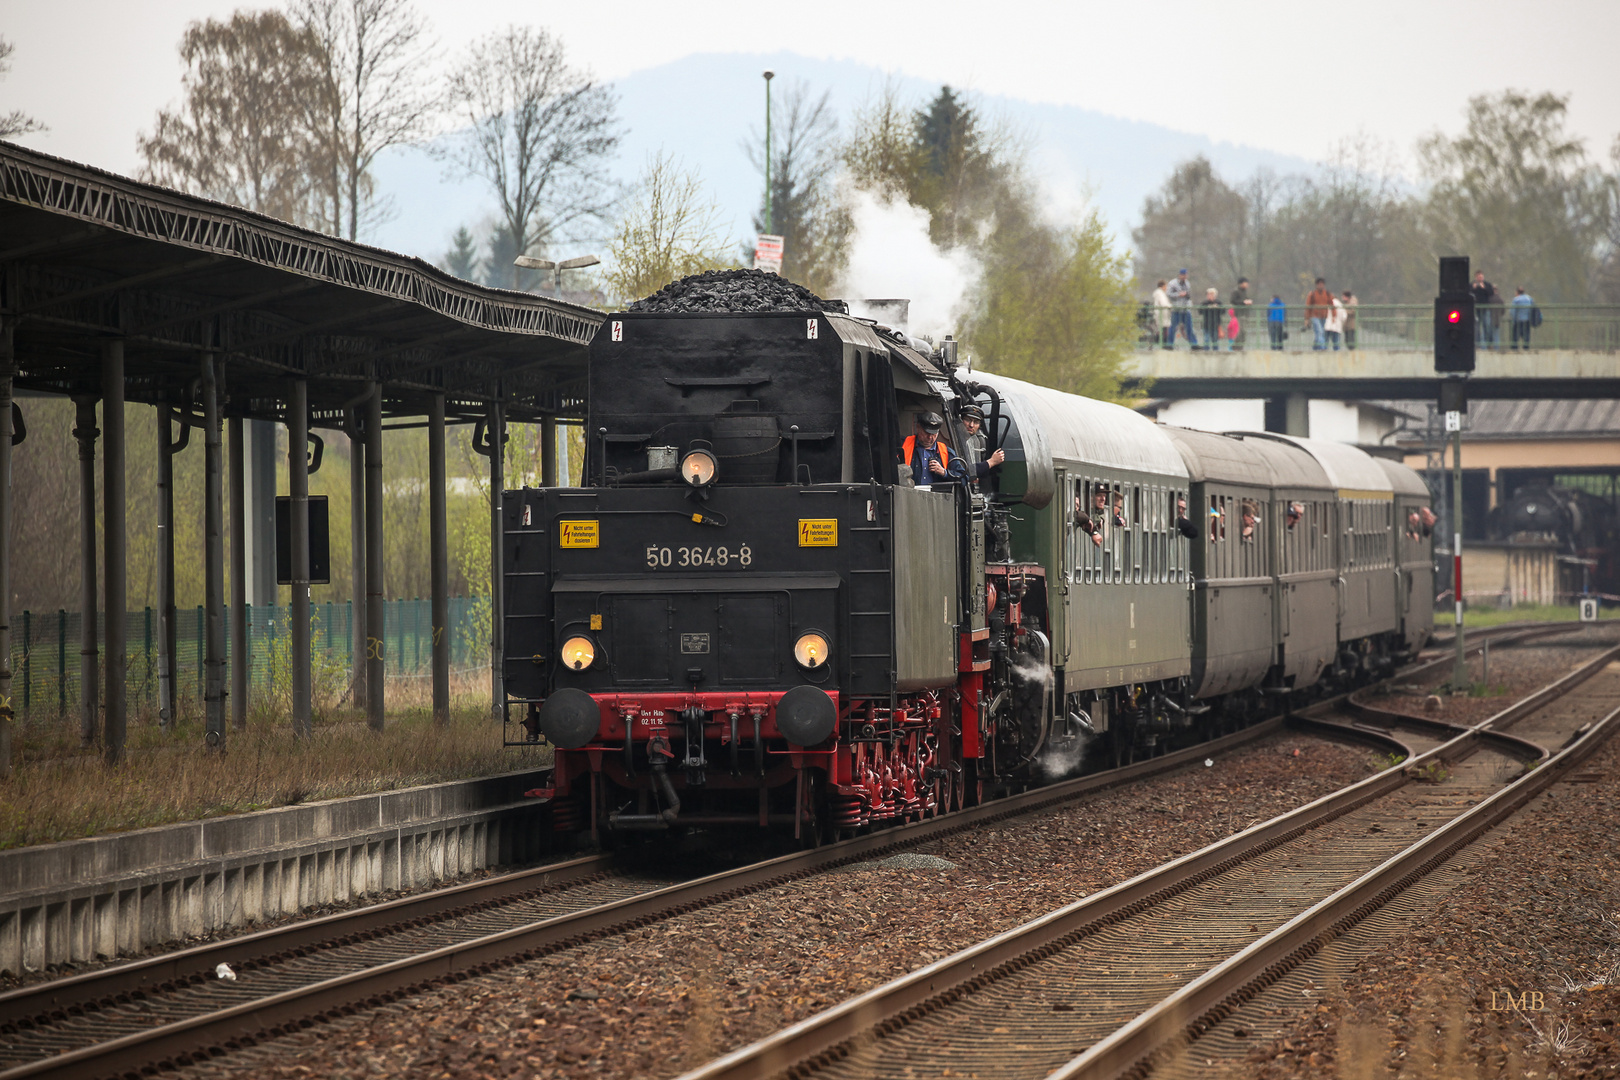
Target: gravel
[
  {"x": 1534, "y": 908},
  {"x": 675, "y": 994},
  {"x": 735, "y": 290}
]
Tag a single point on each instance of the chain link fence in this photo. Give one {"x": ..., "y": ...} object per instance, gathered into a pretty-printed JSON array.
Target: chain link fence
[{"x": 46, "y": 651}]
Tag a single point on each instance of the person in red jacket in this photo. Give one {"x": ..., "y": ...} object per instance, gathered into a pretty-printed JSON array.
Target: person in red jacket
[{"x": 1318, "y": 304}]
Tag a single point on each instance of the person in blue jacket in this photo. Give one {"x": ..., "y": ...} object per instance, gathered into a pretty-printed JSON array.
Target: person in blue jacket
[{"x": 1277, "y": 322}]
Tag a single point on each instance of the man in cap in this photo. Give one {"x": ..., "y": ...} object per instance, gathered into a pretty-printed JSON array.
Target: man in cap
[
  {"x": 929, "y": 459},
  {"x": 1180, "y": 294},
  {"x": 980, "y": 466}
]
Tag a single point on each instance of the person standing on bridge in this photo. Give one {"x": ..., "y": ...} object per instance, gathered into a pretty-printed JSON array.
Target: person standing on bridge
[
  {"x": 1484, "y": 328},
  {"x": 1180, "y": 294},
  {"x": 1211, "y": 313},
  {"x": 1350, "y": 305},
  {"x": 1318, "y": 306},
  {"x": 1241, "y": 303},
  {"x": 1161, "y": 314},
  {"x": 1523, "y": 309},
  {"x": 1277, "y": 322}
]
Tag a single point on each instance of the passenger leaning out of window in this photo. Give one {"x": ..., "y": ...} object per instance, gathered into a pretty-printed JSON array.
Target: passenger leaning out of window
[
  {"x": 1184, "y": 524},
  {"x": 1091, "y": 524},
  {"x": 1251, "y": 518}
]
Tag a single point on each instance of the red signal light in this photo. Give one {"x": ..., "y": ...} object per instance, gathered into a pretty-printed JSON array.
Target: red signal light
[{"x": 1454, "y": 316}]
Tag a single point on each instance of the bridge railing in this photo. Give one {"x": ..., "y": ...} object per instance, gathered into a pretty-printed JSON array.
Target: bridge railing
[{"x": 1401, "y": 328}]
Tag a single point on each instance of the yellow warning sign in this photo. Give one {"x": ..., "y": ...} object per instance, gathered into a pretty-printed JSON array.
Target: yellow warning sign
[
  {"x": 818, "y": 532},
  {"x": 579, "y": 534}
]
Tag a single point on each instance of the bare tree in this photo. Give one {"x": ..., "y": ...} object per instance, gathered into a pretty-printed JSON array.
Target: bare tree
[
  {"x": 538, "y": 131},
  {"x": 373, "y": 54},
  {"x": 16, "y": 122},
  {"x": 241, "y": 133},
  {"x": 1195, "y": 220},
  {"x": 803, "y": 197},
  {"x": 671, "y": 230}
]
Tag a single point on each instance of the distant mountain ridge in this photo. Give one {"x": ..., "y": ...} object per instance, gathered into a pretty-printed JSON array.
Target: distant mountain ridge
[{"x": 703, "y": 108}]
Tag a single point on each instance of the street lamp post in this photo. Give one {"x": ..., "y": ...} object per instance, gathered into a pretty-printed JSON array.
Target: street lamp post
[
  {"x": 769, "y": 223},
  {"x": 530, "y": 263}
]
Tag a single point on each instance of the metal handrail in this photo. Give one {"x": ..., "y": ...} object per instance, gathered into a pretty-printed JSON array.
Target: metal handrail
[{"x": 1404, "y": 327}]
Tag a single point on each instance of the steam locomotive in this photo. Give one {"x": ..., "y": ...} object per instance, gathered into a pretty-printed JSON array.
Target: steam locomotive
[
  {"x": 748, "y": 613},
  {"x": 1581, "y": 524}
]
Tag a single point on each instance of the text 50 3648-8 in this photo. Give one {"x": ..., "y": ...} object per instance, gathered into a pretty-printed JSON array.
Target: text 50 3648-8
[{"x": 659, "y": 557}]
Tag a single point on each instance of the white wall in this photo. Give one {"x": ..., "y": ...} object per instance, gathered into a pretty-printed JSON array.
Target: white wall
[
  {"x": 1216, "y": 414},
  {"x": 1335, "y": 421}
]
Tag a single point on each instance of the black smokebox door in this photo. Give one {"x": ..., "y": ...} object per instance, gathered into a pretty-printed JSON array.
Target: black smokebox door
[{"x": 320, "y": 545}]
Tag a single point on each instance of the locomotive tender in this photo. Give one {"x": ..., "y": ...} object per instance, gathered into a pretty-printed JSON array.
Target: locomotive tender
[{"x": 748, "y": 613}]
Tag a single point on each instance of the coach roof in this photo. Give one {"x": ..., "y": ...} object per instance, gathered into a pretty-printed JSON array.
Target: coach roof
[{"x": 1089, "y": 431}]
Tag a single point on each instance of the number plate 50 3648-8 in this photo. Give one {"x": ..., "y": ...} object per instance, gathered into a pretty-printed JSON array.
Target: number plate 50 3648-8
[{"x": 728, "y": 558}]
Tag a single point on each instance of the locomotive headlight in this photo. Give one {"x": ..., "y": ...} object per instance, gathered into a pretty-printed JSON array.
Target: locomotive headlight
[
  {"x": 698, "y": 468},
  {"x": 811, "y": 650},
  {"x": 578, "y": 652}
]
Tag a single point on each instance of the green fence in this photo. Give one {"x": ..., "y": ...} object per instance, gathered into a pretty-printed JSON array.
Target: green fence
[
  {"x": 45, "y": 649},
  {"x": 1404, "y": 327}
]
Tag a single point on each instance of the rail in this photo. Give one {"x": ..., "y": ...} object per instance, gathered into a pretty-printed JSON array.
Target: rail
[
  {"x": 826, "y": 1036},
  {"x": 192, "y": 1038}
]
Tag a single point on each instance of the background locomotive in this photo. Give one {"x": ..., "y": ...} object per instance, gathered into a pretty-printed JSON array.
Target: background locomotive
[
  {"x": 748, "y": 613},
  {"x": 1583, "y": 526}
]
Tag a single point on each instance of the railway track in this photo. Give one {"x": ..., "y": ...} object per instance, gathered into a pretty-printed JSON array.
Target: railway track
[
  {"x": 1137, "y": 973},
  {"x": 173, "y": 1009}
]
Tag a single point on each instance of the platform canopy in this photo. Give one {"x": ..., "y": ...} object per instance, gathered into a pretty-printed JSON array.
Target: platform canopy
[{"x": 86, "y": 255}]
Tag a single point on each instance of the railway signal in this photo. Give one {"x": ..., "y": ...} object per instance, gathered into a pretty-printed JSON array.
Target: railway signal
[
  {"x": 1454, "y": 318},
  {"x": 1454, "y": 360}
]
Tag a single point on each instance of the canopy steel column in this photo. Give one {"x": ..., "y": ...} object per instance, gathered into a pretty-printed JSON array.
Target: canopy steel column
[
  {"x": 439, "y": 558},
  {"x": 375, "y": 646},
  {"x": 213, "y": 557},
  {"x": 8, "y": 368},
  {"x": 548, "y": 450},
  {"x": 114, "y": 552},
  {"x": 298, "y": 488},
  {"x": 354, "y": 424},
  {"x": 84, "y": 430},
  {"x": 497, "y": 560},
  {"x": 240, "y": 661},
  {"x": 168, "y": 636}
]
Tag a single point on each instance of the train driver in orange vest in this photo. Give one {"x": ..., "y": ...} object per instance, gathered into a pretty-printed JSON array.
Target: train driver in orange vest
[{"x": 931, "y": 461}]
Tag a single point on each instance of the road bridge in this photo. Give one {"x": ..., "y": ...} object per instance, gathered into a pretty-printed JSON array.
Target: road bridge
[{"x": 115, "y": 291}]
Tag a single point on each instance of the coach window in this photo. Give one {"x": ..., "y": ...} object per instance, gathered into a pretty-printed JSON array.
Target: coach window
[
  {"x": 1181, "y": 548},
  {"x": 1138, "y": 534},
  {"x": 1071, "y": 534}
]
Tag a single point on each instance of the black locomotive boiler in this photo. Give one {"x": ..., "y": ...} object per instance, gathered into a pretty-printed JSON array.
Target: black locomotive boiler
[{"x": 749, "y": 613}]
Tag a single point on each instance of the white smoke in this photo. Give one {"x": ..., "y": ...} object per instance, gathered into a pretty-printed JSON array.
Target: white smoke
[
  {"x": 891, "y": 255},
  {"x": 1062, "y": 756}
]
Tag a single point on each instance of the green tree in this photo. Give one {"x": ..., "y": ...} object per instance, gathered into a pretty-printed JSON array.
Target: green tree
[
  {"x": 1516, "y": 193},
  {"x": 462, "y": 258},
  {"x": 672, "y": 229},
  {"x": 880, "y": 154},
  {"x": 1055, "y": 308}
]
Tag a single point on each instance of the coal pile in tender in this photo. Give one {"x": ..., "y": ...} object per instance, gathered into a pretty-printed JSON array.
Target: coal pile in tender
[{"x": 734, "y": 290}]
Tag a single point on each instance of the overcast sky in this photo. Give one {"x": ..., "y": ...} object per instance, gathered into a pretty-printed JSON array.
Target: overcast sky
[{"x": 1293, "y": 78}]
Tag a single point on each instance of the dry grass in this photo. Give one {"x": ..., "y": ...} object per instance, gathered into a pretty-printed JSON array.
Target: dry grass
[{"x": 62, "y": 791}]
